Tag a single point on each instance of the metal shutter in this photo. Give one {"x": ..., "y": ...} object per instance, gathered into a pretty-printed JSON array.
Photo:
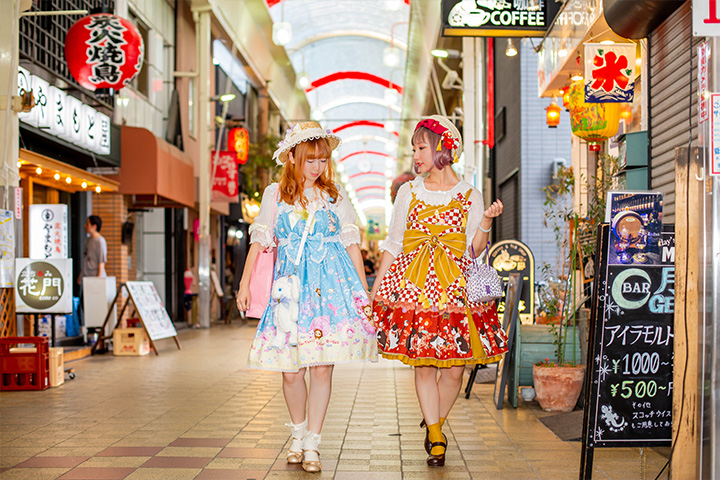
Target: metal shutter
[{"x": 673, "y": 85}]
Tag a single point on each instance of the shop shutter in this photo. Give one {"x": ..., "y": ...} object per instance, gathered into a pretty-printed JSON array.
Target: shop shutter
[
  {"x": 508, "y": 222},
  {"x": 673, "y": 85}
]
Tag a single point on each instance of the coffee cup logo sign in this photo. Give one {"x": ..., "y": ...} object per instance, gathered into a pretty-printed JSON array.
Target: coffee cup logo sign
[
  {"x": 500, "y": 18},
  {"x": 40, "y": 285}
]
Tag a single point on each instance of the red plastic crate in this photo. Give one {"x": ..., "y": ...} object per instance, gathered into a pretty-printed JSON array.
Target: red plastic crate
[{"x": 24, "y": 370}]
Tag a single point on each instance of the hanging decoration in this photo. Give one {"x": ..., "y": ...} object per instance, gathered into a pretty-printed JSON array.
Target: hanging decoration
[
  {"x": 104, "y": 51},
  {"x": 239, "y": 142},
  {"x": 593, "y": 122},
  {"x": 609, "y": 72},
  {"x": 552, "y": 115}
]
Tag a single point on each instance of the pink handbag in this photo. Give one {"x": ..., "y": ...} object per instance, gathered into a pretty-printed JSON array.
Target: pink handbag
[{"x": 262, "y": 278}]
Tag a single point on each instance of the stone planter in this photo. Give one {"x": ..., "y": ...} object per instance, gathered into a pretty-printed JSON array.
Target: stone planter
[{"x": 558, "y": 388}]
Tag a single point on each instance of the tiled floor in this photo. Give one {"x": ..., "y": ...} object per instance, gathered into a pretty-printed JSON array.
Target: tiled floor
[{"x": 199, "y": 413}]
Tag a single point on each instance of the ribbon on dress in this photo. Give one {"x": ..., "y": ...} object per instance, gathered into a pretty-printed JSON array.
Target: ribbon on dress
[{"x": 437, "y": 243}]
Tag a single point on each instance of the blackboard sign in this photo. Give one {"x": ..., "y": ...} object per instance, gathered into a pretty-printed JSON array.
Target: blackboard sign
[
  {"x": 631, "y": 361},
  {"x": 513, "y": 256}
]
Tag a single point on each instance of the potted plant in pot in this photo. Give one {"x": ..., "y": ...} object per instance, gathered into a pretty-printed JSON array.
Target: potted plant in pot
[{"x": 549, "y": 299}]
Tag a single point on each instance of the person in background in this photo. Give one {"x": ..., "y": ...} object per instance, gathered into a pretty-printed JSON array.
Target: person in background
[
  {"x": 95, "y": 252},
  {"x": 369, "y": 264}
]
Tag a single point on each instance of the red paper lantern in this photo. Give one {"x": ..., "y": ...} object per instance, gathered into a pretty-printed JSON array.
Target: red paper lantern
[
  {"x": 239, "y": 142},
  {"x": 104, "y": 51},
  {"x": 552, "y": 115}
]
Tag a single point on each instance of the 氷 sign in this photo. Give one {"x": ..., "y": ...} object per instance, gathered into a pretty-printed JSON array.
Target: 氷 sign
[
  {"x": 48, "y": 231},
  {"x": 609, "y": 72},
  {"x": 43, "y": 286},
  {"x": 498, "y": 18}
]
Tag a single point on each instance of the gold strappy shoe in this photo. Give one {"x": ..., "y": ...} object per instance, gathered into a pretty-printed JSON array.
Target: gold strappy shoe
[
  {"x": 295, "y": 453},
  {"x": 311, "y": 443}
]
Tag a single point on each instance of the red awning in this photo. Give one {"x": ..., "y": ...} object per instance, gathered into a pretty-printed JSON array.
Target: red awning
[{"x": 156, "y": 173}]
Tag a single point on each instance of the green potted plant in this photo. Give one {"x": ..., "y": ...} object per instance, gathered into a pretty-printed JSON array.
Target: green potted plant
[
  {"x": 260, "y": 169},
  {"x": 549, "y": 299}
]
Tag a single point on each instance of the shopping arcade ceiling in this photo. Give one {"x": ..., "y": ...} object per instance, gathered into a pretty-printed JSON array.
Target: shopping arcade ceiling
[{"x": 337, "y": 47}]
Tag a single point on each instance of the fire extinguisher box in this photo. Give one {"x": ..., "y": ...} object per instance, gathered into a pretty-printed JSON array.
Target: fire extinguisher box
[{"x": 130, "y": 342}]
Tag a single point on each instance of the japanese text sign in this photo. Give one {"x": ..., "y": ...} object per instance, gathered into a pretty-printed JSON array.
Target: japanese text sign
[
  {"x": 609, "y": 72},
  {"x": 703, "y": 65},
  {"x": 43, "y": 286},
  {"x": 7, "y": 249},
  {"x": 715, "y": 133},
  {"x": 48, "y": 231},
  {"x": 498, "y": 18},
  {"x": 225, "y": 178}
]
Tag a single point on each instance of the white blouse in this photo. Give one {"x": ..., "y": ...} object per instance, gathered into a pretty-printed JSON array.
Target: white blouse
[
  {"x": 261, "y": 231},
  {"x": 393, "y": 244}
]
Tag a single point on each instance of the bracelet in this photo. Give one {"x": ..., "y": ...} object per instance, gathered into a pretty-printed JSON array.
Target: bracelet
[{"x": 483, "y": 230}]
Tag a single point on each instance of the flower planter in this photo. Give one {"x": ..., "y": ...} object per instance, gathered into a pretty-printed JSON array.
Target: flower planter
[
  {"x": 558, "y": 388},
  {"x": 543, "y": 320}
]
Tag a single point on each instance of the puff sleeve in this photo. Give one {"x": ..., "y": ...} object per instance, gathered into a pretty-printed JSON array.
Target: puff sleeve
[
  {"x": 393, "y": 244},
  {"x": 349, "y": 231},
  {"x": 263, "y": 228}
]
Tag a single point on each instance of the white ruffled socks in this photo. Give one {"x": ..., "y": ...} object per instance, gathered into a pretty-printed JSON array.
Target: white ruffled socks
[
  {"x": 298, "y": 431},
  {"x": 311, "y": 453}
]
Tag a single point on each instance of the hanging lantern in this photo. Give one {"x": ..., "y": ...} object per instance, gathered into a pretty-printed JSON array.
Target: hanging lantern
[
  {"x": 239, "y": 142},
  {"x": 593, "y": 122},
  {"x": 626, "y": 113},
  {"x": 552, "y": 115},
  {"x": 566, "y": 98},
  {"x": 104, "y": 51}
]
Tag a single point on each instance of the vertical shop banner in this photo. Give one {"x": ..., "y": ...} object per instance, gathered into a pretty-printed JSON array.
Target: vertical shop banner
[
  {"x": 225, "y": 180},
  {"x": 43, "y": 286},
  {"x": 705, "y": 18},
  {"x": 48, "y": 231},
  {"x": 703, "y": 65},
  {"x": 7, "y": 249},
  {"x": 609, "y": 73},
  {"x": 715, "y": 133},
  {"x": 18, "y": 203}
]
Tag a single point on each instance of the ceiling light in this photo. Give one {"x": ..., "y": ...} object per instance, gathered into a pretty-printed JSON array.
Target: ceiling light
[
  {"x": 390, "y": 96},
  {"x": 238, "y": 233},
  {"x": 439, "y": 53},
  {"x": 562, "y": 52},
  {"x": 19, "y": 164},
  {"x": 340, "y": 167},
  {"x": 510, "y": 50},
  {"x": 303, "y": 81},
  {"x": 316, "y": 114},
  {"x": 577, "y": 77},
  {"x": 388, "y": 183},
  {"x": 281, "y": 33},
  {"x": 389, "y": 173},
  {"x": 390, "y": 126},
  {"x": 344, "y": 179},
  {"x": 38, "y": 170},
  {"x": 390, "y": 146},
  {"x": 216, "y": 61},
  {"x": 391, "y": 57},
  {"x": 98, "y": 189},
  {"x": 638, "y": 61},
  {"x": 56, "y": 176},
  {"x": 228, "y": 97},
  {"x": 84, "y": 184},
  {"x": 393, "y": 5},
  {"x": 68, "y": 180},
  {"x": 607, "y": 42}
]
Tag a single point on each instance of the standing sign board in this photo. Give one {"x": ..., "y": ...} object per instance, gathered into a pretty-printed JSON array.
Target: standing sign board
[
  {"x": 48, "y": 231},
  {"x": 151, "y": 310},
  {"x": 715, "y": 133},
  {"x": 7, "y": 249},
  {"x": 43, "y": 286},
  {"x": 513, "y": 256},
  {"x": 498, "y": 18},
  {"x": 629, "y": 382}
]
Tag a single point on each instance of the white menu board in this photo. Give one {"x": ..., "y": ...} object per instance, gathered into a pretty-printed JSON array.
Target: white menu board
[{"x": 151, "y": 310}]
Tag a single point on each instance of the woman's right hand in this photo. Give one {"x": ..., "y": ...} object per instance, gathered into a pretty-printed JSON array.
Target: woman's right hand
[{"x": 243, "y": 298}]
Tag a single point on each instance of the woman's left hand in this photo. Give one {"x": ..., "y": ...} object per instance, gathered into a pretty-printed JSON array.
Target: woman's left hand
[{"x": 494, "y": 210}]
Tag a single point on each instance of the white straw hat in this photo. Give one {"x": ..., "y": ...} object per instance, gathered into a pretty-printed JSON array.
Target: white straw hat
[{"x": 302, "y": 132}]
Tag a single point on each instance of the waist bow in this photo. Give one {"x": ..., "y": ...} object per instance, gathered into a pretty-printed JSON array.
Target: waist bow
[{"x": 438, "y": 244}]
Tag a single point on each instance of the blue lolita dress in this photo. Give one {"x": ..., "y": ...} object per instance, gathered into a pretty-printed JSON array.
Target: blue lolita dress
[{"x": 333, "y": 325}]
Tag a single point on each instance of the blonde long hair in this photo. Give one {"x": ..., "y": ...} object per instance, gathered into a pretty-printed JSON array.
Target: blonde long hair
[{"x": 292, "y": 180}]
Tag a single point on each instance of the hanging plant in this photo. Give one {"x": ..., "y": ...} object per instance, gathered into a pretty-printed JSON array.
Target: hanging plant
[{"x": 260, "y": 169}]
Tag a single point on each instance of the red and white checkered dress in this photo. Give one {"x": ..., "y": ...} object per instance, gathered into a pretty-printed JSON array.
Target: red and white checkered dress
[{"x": 421, "y": 306}]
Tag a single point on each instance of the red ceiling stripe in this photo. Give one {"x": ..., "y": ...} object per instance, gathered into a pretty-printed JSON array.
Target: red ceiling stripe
[
  {"x": 368, "y": 152},
  {"x": 371, "y": 187},
  {"x": 272, "y": 3},
  {"x": 366, "y": 173},
  {"x": 362, "y": 123},
  {"x": 334, "y": 77}
]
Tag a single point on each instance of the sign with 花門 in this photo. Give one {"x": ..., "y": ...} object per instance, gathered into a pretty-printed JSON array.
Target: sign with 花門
[
  {"x": 64, "y": 116},
  {"x": 629, "y": 402},
  {"x": 715, "y": 133},
  {"x": 513, "y": 256},
  {"x": 706, "y": 18},
  {"x": 43, "y": 286},
  {"x": 609, "y": 73},
  {"x": 7, "y": 249},
  {"x": 498, "y": 18},
  {"x": 225, "y": 177},
  {"x": 48, "y": 231}
]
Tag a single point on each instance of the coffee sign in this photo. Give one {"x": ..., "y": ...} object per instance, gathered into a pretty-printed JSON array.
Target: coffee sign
[
  {"x": 43, "y": 286},
  {"x": 513, "y": 256},
  {"x": 498, "y": 18}
]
